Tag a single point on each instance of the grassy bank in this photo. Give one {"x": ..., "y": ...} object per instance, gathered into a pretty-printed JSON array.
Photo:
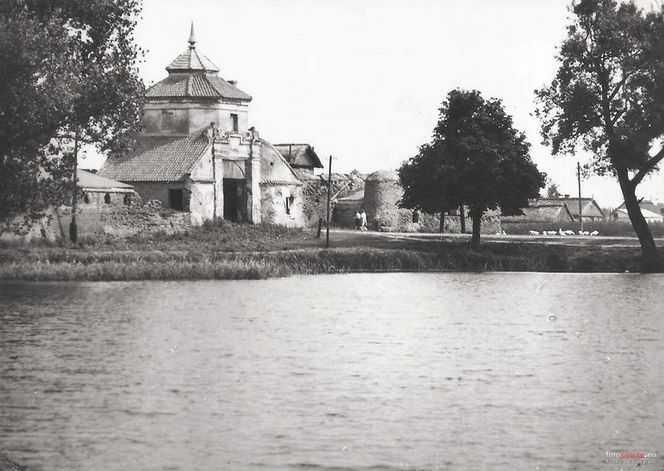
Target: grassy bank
[
  {"x": 57, "y": 265},
  {"x": 229, "y": 251}
]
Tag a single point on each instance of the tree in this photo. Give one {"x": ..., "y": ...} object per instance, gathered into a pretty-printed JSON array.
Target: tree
[
  {"x": 476, "y": 159},
  {"x": 552, "y": 191},
  {"x": 421, "y": 178},
  {"x": 608, "y": 98},
  {"x": 68, "y": 78}
]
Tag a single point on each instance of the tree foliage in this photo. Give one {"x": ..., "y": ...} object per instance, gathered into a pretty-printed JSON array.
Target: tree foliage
[
  {"x": 476, "y": 159},
  {"x": 608, "y": 96},
  {"x": 68, "y": 74},
  {"x": 552, "y": 191}
]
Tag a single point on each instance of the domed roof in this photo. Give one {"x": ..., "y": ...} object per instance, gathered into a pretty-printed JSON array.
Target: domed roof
[
  {"x": 191, "y": 60},
  {"x": 383, "y": 175},
  {"x": 193, "y": 76}
]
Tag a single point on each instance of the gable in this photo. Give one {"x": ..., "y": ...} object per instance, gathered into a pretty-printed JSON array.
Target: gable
[{"x": 274, "y": 167}]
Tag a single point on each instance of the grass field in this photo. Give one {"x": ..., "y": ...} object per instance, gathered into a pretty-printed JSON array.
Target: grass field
[
  {"x": 605, "y": 228},
  {"x": 230, "y": 251}
]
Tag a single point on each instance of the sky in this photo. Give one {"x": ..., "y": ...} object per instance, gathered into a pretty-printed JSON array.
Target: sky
[{"x": 363, "y": 80}]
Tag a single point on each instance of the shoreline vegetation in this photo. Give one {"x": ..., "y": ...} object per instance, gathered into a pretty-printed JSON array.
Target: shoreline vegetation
[{"x": 231, "y": 251}]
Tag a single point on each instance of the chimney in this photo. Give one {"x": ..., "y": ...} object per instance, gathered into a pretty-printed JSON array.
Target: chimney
[{"x": 233, "y": 82}]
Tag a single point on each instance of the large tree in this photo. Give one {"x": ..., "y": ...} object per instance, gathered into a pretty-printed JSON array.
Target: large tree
[
  {"x": 421, "y": 178},
  {"x": 476, "y": 159},
  {"x": 68, "y": 77},
  {"x": 608, "y": 98}
]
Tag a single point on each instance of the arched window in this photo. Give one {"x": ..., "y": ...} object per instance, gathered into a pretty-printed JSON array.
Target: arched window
[
  {"x": 107, "y": 198},
  {"x": 86, "y": 198},
  {"x": 127, "y": 200}
]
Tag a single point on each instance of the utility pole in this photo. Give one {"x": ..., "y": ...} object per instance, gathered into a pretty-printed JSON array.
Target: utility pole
[
  {"x": 73, "y": 228},
  {"x": 329, "y": 190},
  {"x": 578, "y": 173}
]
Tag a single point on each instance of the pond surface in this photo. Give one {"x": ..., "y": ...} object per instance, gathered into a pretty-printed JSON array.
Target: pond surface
[{"x": 360, "y": 372}]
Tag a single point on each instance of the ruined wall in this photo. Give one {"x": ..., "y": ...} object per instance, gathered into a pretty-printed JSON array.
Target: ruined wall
[
  {"x": 153, "y": 191},
  {"x": 283, "y": 205},
  {"x": 101, "y": 200},
  {"x": 120, "y": 222},
  {"x": 344, "y": 213},
  {"x": 159, "y": 191}
]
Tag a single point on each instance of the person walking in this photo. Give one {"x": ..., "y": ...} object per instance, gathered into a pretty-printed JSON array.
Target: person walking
[
  {"x": 363, "y": 217},
  {"x": 358, "y": 220}
]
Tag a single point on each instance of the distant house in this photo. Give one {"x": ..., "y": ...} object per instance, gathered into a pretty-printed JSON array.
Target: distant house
[
  {"x": 101, "y": 192},
  {"x": 590, "y": 210},
  {"x": 301, "y": 157},
  {"x": 563, "y": 209},
  {"x": 651, "y": 212},
  {"x": 541, "y": 212}
]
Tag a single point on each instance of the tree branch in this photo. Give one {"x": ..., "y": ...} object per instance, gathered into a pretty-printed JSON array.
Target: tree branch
[
  {"x": 647, "y": 167},
  {"x": 619, "y": 85}
]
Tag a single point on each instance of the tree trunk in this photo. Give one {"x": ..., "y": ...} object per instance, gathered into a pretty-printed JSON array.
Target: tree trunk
[
  {"x": 477, "y": 224},
  {"x": 649, "y": 255},
  {"x": 73, "y": 228},
  {"x": 462, "y": 219},
  {"x": 441, "y": 228}
]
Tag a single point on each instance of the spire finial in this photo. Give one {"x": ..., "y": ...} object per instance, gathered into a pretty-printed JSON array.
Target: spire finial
[{"x": 192, "y": 38}]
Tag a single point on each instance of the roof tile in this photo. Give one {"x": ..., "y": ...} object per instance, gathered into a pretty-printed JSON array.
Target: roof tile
[
  {"x": 196, "y": 85},
  {"x": 191, "y": 60},
  {"x": 157, "y": 158}
]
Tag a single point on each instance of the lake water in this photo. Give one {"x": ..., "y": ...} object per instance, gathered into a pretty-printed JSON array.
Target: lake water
[{"x": 360, "y": 372}]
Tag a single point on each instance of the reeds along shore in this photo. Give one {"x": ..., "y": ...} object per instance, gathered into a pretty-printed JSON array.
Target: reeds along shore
[
  {"x": 158, "y": 265},
  {"x": 233, "y": 251}
]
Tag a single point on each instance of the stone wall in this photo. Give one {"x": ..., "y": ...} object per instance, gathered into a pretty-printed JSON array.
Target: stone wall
[
  {"x": 101, "y": 200},
  {"x": 159, "y": 191},
  {"x": 119, "y": 221}
]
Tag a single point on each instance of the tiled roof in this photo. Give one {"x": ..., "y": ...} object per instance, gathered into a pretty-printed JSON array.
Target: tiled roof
[
  {"x": 196, "y": 85},
  {"x": 192, "y": 75},
  {"x": 191, "y": 60},
  {"x": 300, "y": 155},
  {"x": 157, "y": 159},
  {"x": 90, "y": 181}
]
